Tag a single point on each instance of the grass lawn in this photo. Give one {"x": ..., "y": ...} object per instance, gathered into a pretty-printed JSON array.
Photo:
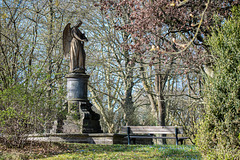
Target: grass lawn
[{"x": 91, "y": 151}]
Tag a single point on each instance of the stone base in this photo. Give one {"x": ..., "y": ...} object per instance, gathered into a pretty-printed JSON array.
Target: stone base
[
  {"x": 99, "y": 138},
  {"x": 81, "y": 118}
]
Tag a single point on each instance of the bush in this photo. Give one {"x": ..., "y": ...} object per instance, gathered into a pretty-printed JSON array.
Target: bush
[
  {"x": 26, "y": 109},
  {"x": 219, "y": 130},
  {"x": 14, "y": 126}
]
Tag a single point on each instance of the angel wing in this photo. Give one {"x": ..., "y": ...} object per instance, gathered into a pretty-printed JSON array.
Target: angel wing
[{"x": 67, "y": 38}]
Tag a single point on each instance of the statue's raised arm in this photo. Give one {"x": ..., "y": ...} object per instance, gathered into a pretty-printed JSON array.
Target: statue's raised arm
[{"x": 73, "y": 44}]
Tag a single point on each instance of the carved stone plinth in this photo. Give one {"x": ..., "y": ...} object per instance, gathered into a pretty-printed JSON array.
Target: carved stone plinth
[{"x": 80, "y": 118}]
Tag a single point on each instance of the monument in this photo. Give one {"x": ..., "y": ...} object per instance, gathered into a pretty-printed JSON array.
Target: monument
[
  {"x": 80, "y": 118},
  {"x": 81, "y": 124}
]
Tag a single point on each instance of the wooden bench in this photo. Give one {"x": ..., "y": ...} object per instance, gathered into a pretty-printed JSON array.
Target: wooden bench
[{"x": 136, "y": 132}]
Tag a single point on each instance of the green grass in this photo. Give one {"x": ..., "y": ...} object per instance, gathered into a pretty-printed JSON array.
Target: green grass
[
  {"x": 70, "y": 151},
  {"x": 115, "y": 152}
]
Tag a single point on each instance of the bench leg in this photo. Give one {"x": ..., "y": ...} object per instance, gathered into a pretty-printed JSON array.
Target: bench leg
[
  {"x": 129, "y": 140},
  {"x": 181, "y": 140},
  {"x": 134, "y": 140},
  {"x": 176, "y": 134},
  {"x": 128, "y": 135}
]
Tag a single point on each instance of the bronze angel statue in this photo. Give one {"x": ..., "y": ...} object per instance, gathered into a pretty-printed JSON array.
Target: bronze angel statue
[{"x": 73, "y": 44}]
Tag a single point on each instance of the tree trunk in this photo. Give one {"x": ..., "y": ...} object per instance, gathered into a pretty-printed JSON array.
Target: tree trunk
[{"x": 128, "y": 107}]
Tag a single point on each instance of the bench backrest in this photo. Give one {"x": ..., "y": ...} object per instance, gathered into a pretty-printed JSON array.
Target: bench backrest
[{"x": 152, "y": 129}]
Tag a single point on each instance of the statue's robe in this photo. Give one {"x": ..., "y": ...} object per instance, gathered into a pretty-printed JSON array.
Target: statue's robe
[{"x": 77, "y": 53}]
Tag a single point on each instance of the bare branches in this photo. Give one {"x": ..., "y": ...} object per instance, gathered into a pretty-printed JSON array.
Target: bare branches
[{"x": 196, "y": 33}]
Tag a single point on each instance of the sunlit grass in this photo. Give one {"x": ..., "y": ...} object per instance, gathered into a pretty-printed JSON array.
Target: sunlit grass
[{"x": 90, "y": 151}]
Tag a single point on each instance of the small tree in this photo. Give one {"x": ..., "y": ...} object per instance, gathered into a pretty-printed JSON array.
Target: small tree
[{"x": 219, "y": 130}]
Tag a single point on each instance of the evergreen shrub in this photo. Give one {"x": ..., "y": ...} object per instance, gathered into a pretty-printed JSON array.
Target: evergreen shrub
[{"x": 218, "y": 133}]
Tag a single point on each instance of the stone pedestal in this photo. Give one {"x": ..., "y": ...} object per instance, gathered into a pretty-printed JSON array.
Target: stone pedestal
[
  {"x": 77, "y": 86},
  {"x": 80, "y": 118}
]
